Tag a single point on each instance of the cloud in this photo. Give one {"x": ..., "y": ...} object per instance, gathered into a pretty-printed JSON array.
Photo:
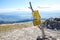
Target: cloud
[
  {"x": 7, "y": 10},
  {"x": 49, "y": 7},
  {"x": 29, "y": 10},
  {"x": 13, "y": 10}
]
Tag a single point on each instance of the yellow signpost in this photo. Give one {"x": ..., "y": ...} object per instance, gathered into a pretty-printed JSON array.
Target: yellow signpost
[
  {"x": 37, "y": 20},
  {"x": 36, "y": 17}
]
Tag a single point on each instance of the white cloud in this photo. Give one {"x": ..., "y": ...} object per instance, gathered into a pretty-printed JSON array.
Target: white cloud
[
  {"x": 49, "y": 7},
  {"x": 13, "y": 10},
  {"x": 7, "y": 10},
  {"x": 41, "y": 8}
]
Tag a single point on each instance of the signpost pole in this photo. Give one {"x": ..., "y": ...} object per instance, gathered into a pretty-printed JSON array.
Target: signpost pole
[
  {"x": 42, "y": 30},
  {"x": 39, "y": 25}
]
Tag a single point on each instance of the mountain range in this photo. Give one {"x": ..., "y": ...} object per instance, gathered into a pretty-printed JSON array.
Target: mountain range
[{"x": 15, "y": 17}]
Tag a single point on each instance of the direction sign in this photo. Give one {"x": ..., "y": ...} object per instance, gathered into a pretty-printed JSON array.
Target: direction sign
[{"x": 36, "y": 17}]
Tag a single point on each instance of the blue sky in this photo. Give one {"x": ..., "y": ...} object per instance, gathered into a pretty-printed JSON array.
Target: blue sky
[
  {"x": 12, "y": 3},
  {"x": 25, "y": 3},
  {"x": 22, "y": 5},
  {"x": 7, "y": 4}
]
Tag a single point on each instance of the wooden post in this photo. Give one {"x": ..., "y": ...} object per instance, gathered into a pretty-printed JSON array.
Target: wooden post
[
  {"x": 31, "y": 6},
  {"x": 42, "y": 30}
]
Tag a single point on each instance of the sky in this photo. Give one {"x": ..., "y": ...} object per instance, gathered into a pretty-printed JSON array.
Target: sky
[
  {"x": 22, "y": 5},
  {"x": 25, "y": 3}
]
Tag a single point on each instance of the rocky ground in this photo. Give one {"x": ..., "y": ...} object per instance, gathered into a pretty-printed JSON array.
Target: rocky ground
[{"x": 28, "y": 33}]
